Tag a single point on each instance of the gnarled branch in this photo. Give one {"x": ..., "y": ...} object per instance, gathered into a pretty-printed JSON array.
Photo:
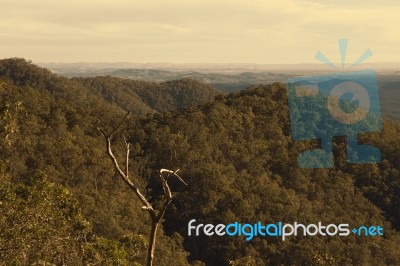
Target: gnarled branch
[{"x": 156, "y": 216}]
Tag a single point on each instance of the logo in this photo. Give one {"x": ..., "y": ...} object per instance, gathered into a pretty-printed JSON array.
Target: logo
[
  {"x": 341, "y": 104},
  {"x": 280, "y": 229}
]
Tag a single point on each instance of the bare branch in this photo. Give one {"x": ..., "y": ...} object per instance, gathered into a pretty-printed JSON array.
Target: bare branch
[
  {"x": 175, "y": 174},
  {"x": 155, "y": 216},
  {"x": 102, "y": 132},
  {"x": 127, "y": 145},
  {"x": 167, "y": 190},
  {"x": 122, "y": 174}
]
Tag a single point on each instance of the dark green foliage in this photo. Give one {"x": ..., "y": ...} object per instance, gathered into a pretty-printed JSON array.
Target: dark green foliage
[
  {"x": 38, "y": 224},
  {"x": 236, "y": 153},
  {"x": 54, "y": 122},
  {"x": 142, "y": 97},
  {"x": 41, "y": 223},
  {"x": 240, "y": 162}
]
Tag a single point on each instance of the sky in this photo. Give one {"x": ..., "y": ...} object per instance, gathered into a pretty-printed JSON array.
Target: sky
[{"x": 198, "y": 31}]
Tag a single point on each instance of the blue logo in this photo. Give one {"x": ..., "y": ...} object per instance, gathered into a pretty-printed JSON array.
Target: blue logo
[
  {"x": 341, "y": 104},
  {"x": 280, "y": 229}
]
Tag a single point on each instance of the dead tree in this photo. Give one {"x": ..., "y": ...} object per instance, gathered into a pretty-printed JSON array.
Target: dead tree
[{"x": 155, "y": 214}]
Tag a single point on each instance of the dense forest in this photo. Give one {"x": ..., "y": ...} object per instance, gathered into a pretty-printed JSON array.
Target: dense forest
[{"x": 62, "y": 203}]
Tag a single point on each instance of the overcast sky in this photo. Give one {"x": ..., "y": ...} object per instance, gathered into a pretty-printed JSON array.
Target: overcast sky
[{"x": 198, "y": 31}]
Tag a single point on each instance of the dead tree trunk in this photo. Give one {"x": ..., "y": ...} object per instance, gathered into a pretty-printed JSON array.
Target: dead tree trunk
[
  {"x": 152, "y": 244},
  {"x": 155, "y": 215}
]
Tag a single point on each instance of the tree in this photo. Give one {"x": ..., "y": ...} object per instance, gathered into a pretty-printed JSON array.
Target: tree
[
  {"x": 155, "y": 215},
  {"x": 39, "y": 223}
]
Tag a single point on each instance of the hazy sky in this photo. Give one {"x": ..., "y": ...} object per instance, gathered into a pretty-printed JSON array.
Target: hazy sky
[{"x": 192, "y": 31}]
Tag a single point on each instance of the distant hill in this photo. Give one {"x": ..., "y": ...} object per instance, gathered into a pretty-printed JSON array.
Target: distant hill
[
  {"x": 143, "y": 97},
  {"x": 140, "y": 97},
  {"x": 389, "y": 80},
  {"x": 389, "y": 88},
  {"x": 224, "y": 81}
]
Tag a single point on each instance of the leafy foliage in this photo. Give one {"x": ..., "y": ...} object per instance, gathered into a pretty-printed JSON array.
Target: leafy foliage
[
  {"x": 241, "y": 165},
  {"x": 142, "y": 97},
  {"x": 236, "y": 153}
]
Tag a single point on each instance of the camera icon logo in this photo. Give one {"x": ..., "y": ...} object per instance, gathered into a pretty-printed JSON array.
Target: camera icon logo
[{"x": 341, "y": 104}]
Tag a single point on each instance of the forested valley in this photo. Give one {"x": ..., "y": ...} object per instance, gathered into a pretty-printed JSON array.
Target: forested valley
[{"x": 62, "y": 203}]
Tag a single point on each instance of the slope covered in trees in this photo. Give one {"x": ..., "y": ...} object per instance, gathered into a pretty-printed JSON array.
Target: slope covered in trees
[
  {"x": 149, "y": 96},
  {"x": 236, "y": 153},
  {"x": 241, "y": 164},
  {"x": 50, "y": 126}
]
